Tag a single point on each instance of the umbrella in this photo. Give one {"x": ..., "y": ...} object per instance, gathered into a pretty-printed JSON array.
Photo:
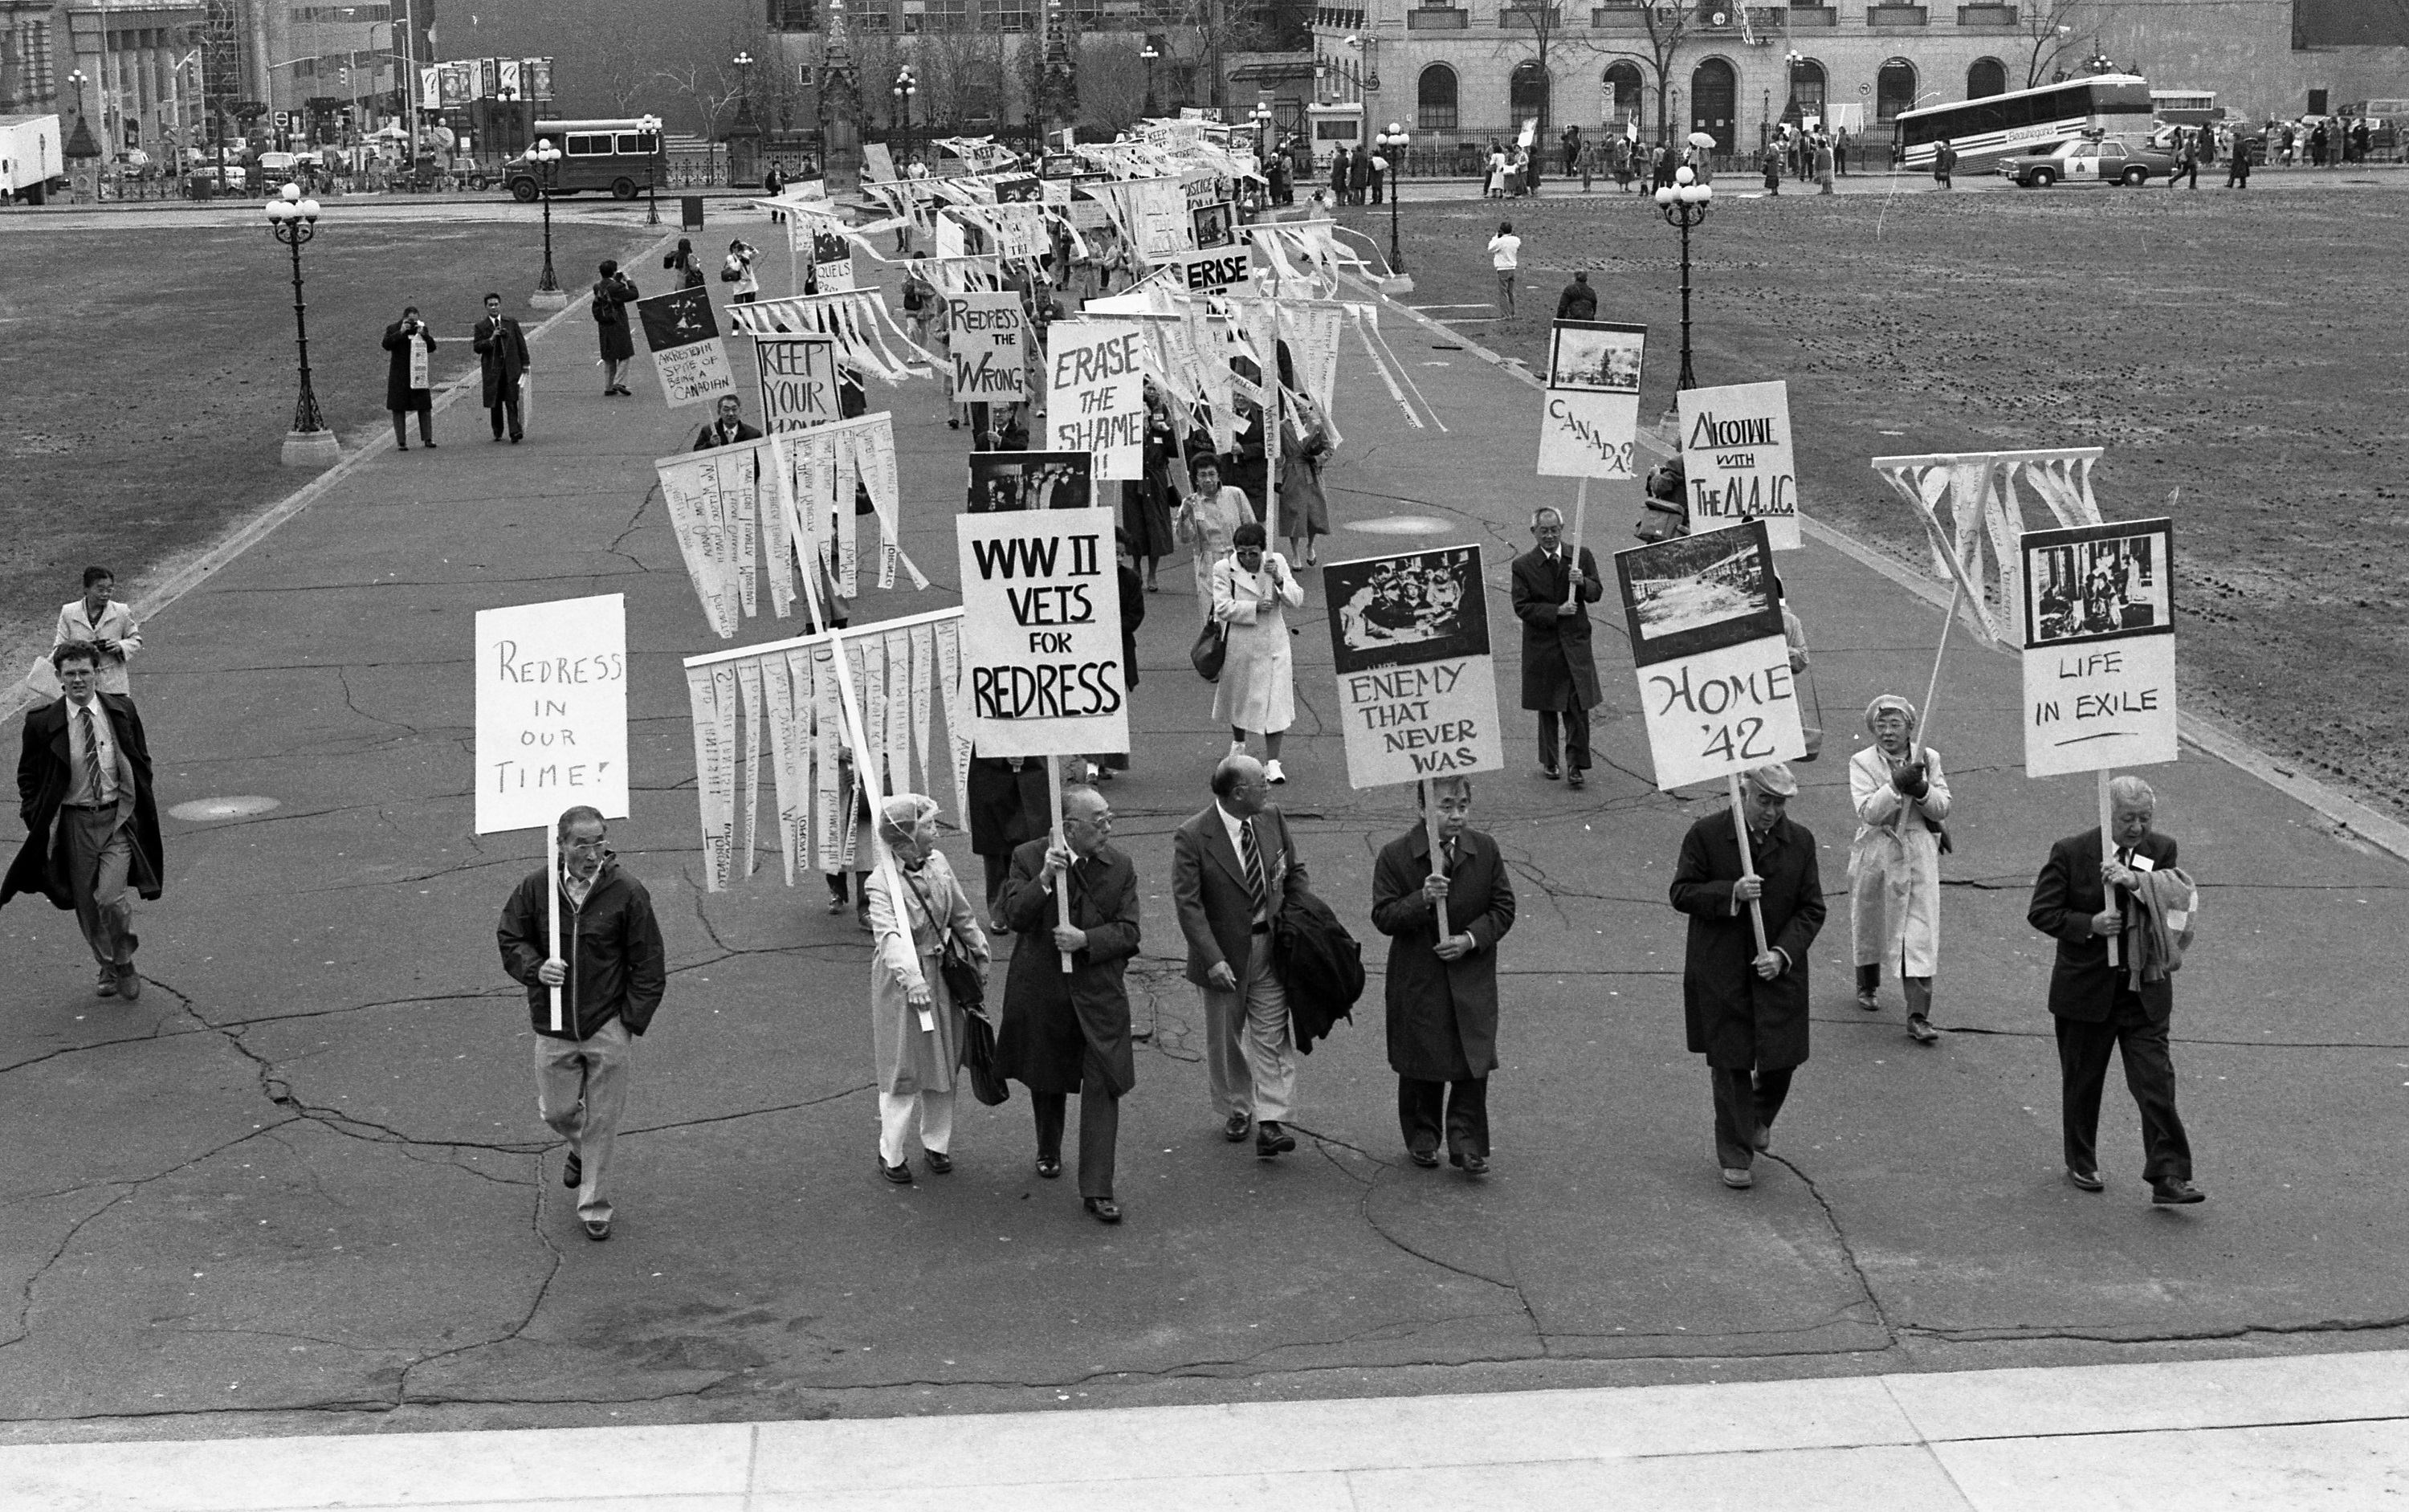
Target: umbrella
[{"x": 1700, "y": 138}]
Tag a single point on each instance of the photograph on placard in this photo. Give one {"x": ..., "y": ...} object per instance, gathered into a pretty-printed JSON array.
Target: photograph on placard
[
  {"x": 1596, "y": 357},
  {"x": 1005, "y": 480},
  {"x": 1696, "y": 592},
  {"x": 1213, "y": 225},
  {"x": 1423, "y": 606},
  {"x": 2099, "y": 587}
]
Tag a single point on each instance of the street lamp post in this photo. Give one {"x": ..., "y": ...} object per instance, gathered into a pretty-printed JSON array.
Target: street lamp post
[
  {"x": 905, "y": 87},
  {"x": 292, "y": 220},
  {"x": 651, "y": 127},
  {"x": 1392, "y": 143},
  {"x": 1147, "y": 55},
  {"x": 1685, "y": 205},
  {"x": 548, "y": 292}
]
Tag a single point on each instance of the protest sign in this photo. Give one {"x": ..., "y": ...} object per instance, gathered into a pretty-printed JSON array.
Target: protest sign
[
  {"x": 1736, "y": 450},
  {"x": 877, "y": 163},
  {"x": 1588, "y": 417},
  {"x": 1095, "y": 394},
  {"x": 1212, "y": 223},
  {"x": 1002, "y": 482},
  {"x": 832, "y": 260},
  {"x": 987, "y": 331},
  {"x": 420, "y": 365},
  {"x": 1041, "y": 641},
  {"x": 2100, "y": 646},
  {"x": 1417, "y": 685},
  {"x": 1210, "y": 268},
  {"x": 682, "y": 333},
  {"x": 797, "y": 381},
  {"x": 1713, "y": 666}
]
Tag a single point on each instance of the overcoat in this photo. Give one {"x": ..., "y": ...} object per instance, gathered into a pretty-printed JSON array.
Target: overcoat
[
  {"x": 1303, "y": 510},
  {"x": 1258, "y": 687},
  {"x": 43, "y": 779},
  {"x": 502, "y": 351},
  {"x": 2068, "y": 892},
  {"x": 1559, "y": 668},
  {"x": 913, "y": 1059},
  {"x": 610, "y": 299},
  {"x": 1008, "y": 806},
  {"x": 1737, "y": 1019},
  {"x": 1442, "y": 1013},
  {"x": 399, "y": 395},
  {"x": 1895, "y": 866},
  {"x": 1052, "y": 1017}
]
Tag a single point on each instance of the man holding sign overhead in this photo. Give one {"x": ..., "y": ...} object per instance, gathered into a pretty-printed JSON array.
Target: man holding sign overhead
[{"x": 409, "y": 386}]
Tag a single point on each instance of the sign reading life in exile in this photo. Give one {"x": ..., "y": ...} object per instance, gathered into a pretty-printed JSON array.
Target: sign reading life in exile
[
  {"x": 1417, "y": 686},
  {"x": 1042, "y": 669},
  {"x": 1713, "y": 665},
  {"x": 2099, "y": 647}
]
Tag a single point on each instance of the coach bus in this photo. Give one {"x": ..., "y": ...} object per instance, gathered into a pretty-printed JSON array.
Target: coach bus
[
  {"x": 618, "y": 155},
  {"x": 2023, "y": 120}
]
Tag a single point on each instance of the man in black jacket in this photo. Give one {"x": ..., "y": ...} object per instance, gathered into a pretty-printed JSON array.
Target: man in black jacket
[
  {"x": 1579, "y": 301},
  {"x": 607, "y": 996},
  {"x": 502, "y": 351},
  {"x": 728, "y": 429}
]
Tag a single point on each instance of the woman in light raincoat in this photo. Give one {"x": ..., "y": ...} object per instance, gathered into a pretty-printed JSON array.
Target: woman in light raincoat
[{"x": 1895, "y": 861}]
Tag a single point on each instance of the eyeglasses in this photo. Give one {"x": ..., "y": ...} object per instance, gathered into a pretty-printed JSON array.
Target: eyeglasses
[{"x": 595, "y": 844}]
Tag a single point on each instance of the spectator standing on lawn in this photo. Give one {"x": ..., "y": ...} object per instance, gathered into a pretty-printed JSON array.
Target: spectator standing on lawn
[
  {"x": 2237, "y": 166},
  {"x": 502, "y": 352},
  {"x": 104, "y": 623},
  {"x": 613, "y": 292},
  {"x": 1579, "y": 301},
  {"x": 2186, "y": 161},
  {"x": 1944, "y": 163},
  {"x": 1506, "y": 257},
  {"x": 401, "y": 399},
  {"x": 1825, "y": 164}
]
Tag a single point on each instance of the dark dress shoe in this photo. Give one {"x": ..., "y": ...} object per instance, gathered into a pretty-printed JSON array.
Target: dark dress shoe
[
  {"x": 129, "y": 982},
  {"x": 1475, "y": 1165},
  {"x": 108, "y": 988},
  {"x": 1235, "y": 1129},
  {"x": 1271, "y": 1140},
  {"x": 2175, "y": 1192},
  {"x": 597, "y": 1230},
  {"x": 1920, "y": 1029},
  {"x": 573, "y": 1173},
  {"x": 1427, "y": 1160},
  {"x": 1575, "y": 780},
  {"x": 2087, "y": 1180},
  {"x": 430, "y": 446},
  {"x": 1049, "y": 1169},
  {"x": 1764, "y": 1139},
  {"x": 940, "y": 1163},
  {"x": 1103, "y": 1209},
  {"x": 900, "y": 1172},
  {"x": 1549, "y": 772}
]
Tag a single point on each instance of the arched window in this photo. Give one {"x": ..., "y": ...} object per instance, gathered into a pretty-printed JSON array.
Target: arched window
[
  {"x": 1714, "y": 102},
  {"x": 1526, "y": 94},
  {"x": 1894, "y": 90},
  {"x": 1806, "y": 87},
  {"x": 1986, "y": 77},
  {"x": 1435, "y": 98},
  {"x": 1623, "y": 93},
  {"x": 982, "y": 92}
]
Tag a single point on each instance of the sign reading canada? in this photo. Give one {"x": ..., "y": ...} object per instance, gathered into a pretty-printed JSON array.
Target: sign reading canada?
[{"x": 1042, "y": 665}]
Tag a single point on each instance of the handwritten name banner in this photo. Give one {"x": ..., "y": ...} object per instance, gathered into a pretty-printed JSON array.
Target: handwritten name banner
[
  {"x": 797, "y": 381},
  {"x": 991, "y": 363},
  {"x": 1713, "y": 666},
  {"x": 1095, "y": 397},
  {"x": 1417, "y": 685},
  {"x": 2099, "y": 647},
  {"x": 1737, "y": 452},
  {"x": 1041, "y": 643},
  {"x": 1589, "y": 418},
  {"x": 552, "y": 712},
  {"x": 683, "y": 333}
]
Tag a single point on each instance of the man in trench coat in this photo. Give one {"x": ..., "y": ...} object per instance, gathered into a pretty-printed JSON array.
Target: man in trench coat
[
  {"x": 1442, "y": 984},
  {"x": 502, "y": 352},
  {"x": 400, "y": 397},
  {"x": 1559, "y": 669},
  {"x": 1067, "y": 1032},
  {"x": 1746, "y": 1009}
]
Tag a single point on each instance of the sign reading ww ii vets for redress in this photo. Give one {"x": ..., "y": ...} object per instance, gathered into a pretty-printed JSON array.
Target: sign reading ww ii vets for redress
[
  {"x": 1589, "y": 418},
  {"x": 1713, "y": 665},
  {"x": 1095, "y": 396},
  {"x": 986, "y": 332},
  {"x": 1042, "y": 673},
  {"x": 1416, "y": 687},
  {"x": 797, "y": 381},
  {"x": 1737, "y": 452},
  {"x": 682, "y": 331},
  {"x": 2099, "y": 647}
]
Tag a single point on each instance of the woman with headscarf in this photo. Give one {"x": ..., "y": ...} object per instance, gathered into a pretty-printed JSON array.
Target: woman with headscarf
[
  {"x": 915, "y": 1025},
  {"x": 1895, "y": 861}
]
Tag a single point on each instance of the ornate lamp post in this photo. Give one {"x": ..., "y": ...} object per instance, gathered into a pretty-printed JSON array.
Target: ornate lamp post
[
  {"x": 292, "y": 220},
  {"x": 1392, "y": 143},
  {"x": 1685, "y": 205},
  {"x": 1146, "y": 55},
  {"x": 546, "y": 153},
  {"x": 651, "y": 127}
]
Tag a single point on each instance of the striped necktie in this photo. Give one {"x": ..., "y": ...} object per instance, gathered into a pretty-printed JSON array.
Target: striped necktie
[
  {"x": 92, "y": 757},
  {"x": 1255, "y": 889}
]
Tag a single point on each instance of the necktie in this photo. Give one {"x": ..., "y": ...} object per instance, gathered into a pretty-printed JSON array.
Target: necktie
[
  {"x": 92, "y": 755},
  {"x": 1255, "y": 889}
]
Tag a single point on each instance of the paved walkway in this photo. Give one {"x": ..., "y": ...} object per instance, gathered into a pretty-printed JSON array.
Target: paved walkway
[{"x": 2324, "y": 1430}]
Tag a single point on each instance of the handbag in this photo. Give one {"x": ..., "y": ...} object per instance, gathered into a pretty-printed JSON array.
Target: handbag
[
  {"x": 1211, "y": 649},
  {"x": 968, "y": 990}
]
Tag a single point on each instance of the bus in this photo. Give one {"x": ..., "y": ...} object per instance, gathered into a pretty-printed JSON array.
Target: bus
[
  {"x": 2023, "y": 120},
  {"x": 618, "y": 155}
]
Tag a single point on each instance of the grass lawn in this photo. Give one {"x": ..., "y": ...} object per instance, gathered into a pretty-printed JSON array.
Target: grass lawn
[
  {"x": 151, "y": 378},
  {"x": 2248, "y": 352}
]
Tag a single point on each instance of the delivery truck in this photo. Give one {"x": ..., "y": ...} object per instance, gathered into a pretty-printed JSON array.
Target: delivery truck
[{"x": 33, "y": 161}]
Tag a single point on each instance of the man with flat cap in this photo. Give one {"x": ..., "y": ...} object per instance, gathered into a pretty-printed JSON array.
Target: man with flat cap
[{"x": 1746, "y": 1007}]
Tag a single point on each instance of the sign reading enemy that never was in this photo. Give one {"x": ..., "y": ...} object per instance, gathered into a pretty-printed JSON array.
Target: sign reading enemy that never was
[
  {"x": 1417, "y": 685},
  {"x": 1714, "y": 667},
  {"x": 987, "y": 329},
  {"x": 2099, "y": 647},
  {"x": 683, "y": 332},
  {"x": 1095, "y": 394},
  {"x": 1737, "y": 452},
  {"x": 552, "y": 712},
  {"x": 1042, "y": 669}
]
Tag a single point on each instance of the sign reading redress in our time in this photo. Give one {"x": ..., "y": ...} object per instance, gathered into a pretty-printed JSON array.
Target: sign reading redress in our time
[
  {"x": 1737, "y": 452},
  {"x": 1589, "y": 418},
  {"x": 2099, "y": 647},
  {"x": 552, "y": 712},
  {"x": 1041, "y": 670},
  {"x": 1714, "y": 668},
  {"x": 987, "y": 330},
  {"x": 1417, "y": 686},
  {"x": 683, "y": 332},
  {"x": 1095, "y": 394},
  {"x": 797, "y": 381}
]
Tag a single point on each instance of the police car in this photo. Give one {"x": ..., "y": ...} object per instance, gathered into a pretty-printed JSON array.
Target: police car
[{"x": 2090, "y": 160}]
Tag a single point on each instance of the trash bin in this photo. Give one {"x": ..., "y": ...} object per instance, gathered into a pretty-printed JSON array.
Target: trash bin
[{"x": 690, "y": 212}]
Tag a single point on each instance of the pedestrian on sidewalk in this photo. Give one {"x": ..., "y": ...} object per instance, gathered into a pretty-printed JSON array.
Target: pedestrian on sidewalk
[
  {"x": 1233, "y": 864},
  {"x": 1552, "y": 597},
  {"x": 1252, "y": 591},
  {"x": 916, "y": 1024},
  {"x": 1944, "y": 161},
  {"x": 737, "y": 268},
  {"x": 91, "y": 824},
  {"x": 726, "y": 427},
  {"x": 1069, "y": 1031},
  {"x": 2237, "y": 163},
  {"x": 502, "y": 352},
  {"x": 1826, "y": 164},
  {"x": 1746, "y": 1008},
  {"x": 1505, "y": 257},
  {"x": 2186, "y": 161},
  {"x": 609, "y": 993},
  {"x": 2085, "y": 900},
  {"x": 1624, "y": 149},
  {"x": 1304, "y": 445},
  {"x": 1771, "y": 161},
  {"x": 401, "y": 397},
  {"x": 1901, "y": 797},
  {"x": 1585, "y": 163},
  {"x": 613, "y": 292},
  {"x": 103, "y": 622},
  {"x": 1577, "y": 301},
  {"x": 1442, "y": 981},
  {"x": 1208, "y": 522},
  {"x": 686, "y": 263}
]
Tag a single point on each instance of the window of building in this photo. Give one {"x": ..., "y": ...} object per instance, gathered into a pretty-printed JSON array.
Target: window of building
[
  {"x": 1011, "y": 15},
  {"x": 1806, "y": 86},
  {"x": 342, "y": 15},
  {"x": 1714, "y": 102},
  {"x": 794, "y": 15},
  {"x": 1893, "y": 88},
  {"x": 1435, "y": 98},
  {"x": 1623, "y": 93},
  {"x": 1526, "y": 94},
  {"x": 949, "y": 15},
  {"x": 873, "y": 18},
  {"x": 1986, "y": 77}
]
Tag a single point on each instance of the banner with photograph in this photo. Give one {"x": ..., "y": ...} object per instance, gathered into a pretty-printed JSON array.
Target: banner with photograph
[
  {"x": 1737, "y": 454},
  {"x": 682, "y": 333},
  {"x": 2099, "y": 647},
  {"x": 1002, "y": 481},
  {"x": 1588, "y": 417},
  {"x": 1042, "y": 666},
  {"x": 797, "y": 376},
  {"x": 1417, "y": 683},
  {"x": 987, "y": 329},
  {"x": 1715, "y": 683},
  {"x": 1095, "y": 395},
  {"x": 552, "y": 712},
  {"x": 831, "y": 258}
]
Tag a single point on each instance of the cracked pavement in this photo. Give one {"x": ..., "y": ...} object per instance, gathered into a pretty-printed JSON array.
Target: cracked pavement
[{"x": 301, "y": 1186}]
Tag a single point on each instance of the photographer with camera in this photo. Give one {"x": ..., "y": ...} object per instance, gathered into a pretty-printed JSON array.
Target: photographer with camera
[{"x": 408, "y": 381}]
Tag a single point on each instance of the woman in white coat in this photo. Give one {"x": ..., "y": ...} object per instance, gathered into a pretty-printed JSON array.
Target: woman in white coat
[
  {"x": 1252, "y": 591},
  {"x": 915, "y": 1025},
  {"x": 1895, "y": 861}
]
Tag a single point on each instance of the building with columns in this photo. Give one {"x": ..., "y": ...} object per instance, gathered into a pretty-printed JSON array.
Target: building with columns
[{"x": 140, "y": 62}]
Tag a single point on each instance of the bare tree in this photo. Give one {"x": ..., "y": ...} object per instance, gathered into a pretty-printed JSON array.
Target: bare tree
[
  {"x": 1667, "y": 28},
  {"x": 1543, "y": 20},
  {"x": 629, "y": 71},
  {"x": 712, "y": 87},
  {"x": 2050, "y": 26},
  {"x": 1112, "y": 81}
]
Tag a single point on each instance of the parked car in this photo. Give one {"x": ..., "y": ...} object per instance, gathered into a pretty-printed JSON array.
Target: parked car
[{"x": 2103, "y": 160}]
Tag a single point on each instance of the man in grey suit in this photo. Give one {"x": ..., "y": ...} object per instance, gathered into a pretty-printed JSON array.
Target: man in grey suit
[{"x": 1232, "y": 867}]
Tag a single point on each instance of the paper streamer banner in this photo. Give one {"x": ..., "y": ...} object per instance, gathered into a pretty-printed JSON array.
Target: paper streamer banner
[
  {"x": 552, "y": 712},
  {"x": 1095, "y": 397},
  {"x": 1713, "y": 665},
  {"x": 1042, "y": 640},
  {"x": 866, "y": 335},
  {"x": 683, "y": 334},
  {"x": 1968, "y": 501},
  {"x": 1737, "y": 454},
  {"x": 714, "y": 503},
  {"x": 2099, "y": 647},
  {"x": 1417, "y": 683}
]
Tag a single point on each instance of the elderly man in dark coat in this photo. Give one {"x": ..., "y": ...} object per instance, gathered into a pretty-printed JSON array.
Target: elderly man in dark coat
[
  {"x": 1746, "y": 1008},
  {"x": 402, "y": 398},
  {"x": 1442, "y": 981},
  {"x": 1552, "y": 597},
  {"x": 91, "y": 826},
  {"x": 1069, "y": 1031},
  {"x": 502, "y": 351}
]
